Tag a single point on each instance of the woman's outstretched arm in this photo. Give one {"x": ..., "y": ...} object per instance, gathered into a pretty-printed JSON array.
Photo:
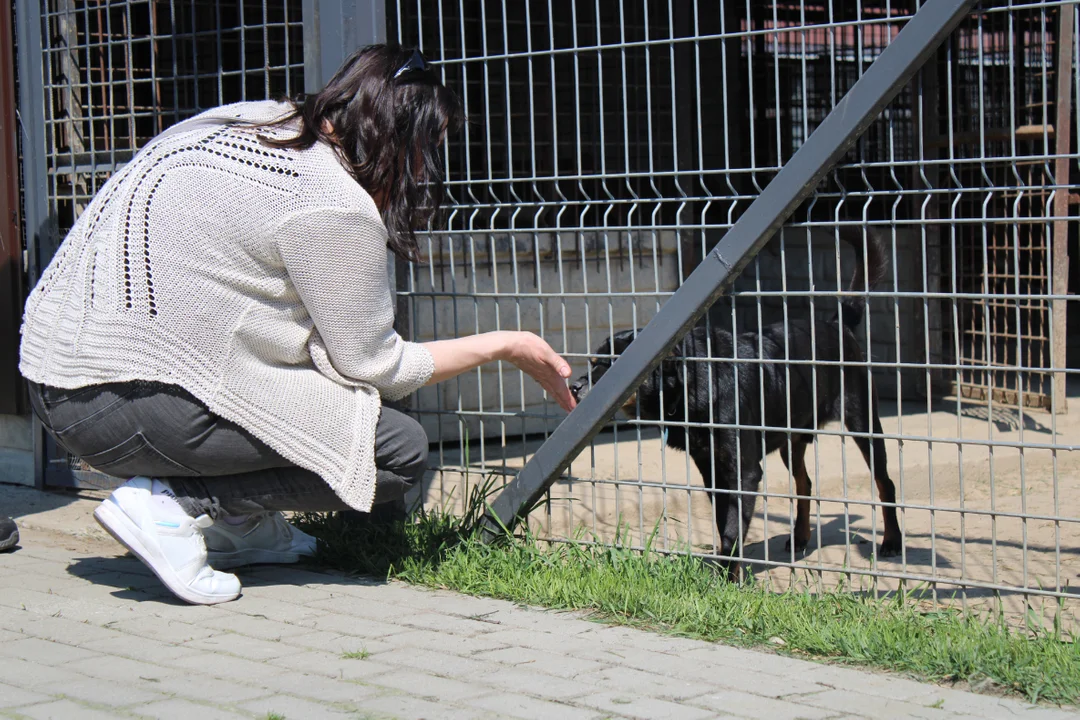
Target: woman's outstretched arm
[{"x": 525, "y": 350}]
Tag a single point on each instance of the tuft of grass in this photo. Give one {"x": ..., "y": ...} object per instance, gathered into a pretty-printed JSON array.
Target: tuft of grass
[
  {"x": 362, "y": 654},
  {"x": 274, "y": 716},
  {"x": 684, "y": 595}
]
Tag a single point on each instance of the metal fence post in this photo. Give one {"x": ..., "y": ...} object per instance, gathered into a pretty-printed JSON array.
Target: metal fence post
[
  {"x": 333, "y": 29},
  {"x": 41, "y": 240},
  {"x": 1060, "y": 249},
  {"x": 39, "y": 227},
  {"x": 915, "y": 43}
]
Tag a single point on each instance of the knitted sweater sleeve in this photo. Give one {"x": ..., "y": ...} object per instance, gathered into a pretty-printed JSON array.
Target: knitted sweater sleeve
[{"x": 336, "y": 260}]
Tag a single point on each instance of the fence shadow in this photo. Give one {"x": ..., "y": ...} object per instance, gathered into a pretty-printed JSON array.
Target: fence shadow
[{"x": 835, "y": 532}]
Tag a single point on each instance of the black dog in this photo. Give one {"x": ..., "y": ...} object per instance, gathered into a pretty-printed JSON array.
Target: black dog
[{"x": 679, "y": 390}]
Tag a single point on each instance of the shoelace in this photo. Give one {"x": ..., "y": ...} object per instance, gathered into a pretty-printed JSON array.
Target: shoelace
[{"x": 199, "y": 526}]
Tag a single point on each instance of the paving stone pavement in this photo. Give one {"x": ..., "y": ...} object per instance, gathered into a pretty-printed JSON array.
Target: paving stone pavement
[{"x": 87, "y": 632}]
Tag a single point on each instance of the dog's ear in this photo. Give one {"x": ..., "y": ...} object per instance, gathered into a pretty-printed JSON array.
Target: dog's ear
[{"x": 621, "y": 340}]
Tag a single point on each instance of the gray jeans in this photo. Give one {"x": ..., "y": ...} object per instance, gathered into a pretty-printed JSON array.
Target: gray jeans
[{"x": 212, "y": 465}]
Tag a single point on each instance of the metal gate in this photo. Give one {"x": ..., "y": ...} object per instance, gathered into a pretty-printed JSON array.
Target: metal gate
[
  {"x": 1014, "y": 113},
  {"x": 611, "y": 145}
]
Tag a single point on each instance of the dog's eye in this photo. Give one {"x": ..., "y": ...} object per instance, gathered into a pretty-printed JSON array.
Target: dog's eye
[{"x": 594, "y": 361}]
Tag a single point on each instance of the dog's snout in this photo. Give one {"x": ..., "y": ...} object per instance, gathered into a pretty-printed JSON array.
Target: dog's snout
[
  {"x": 580, "y": 388},
  {"x": 576, "y": 388}
]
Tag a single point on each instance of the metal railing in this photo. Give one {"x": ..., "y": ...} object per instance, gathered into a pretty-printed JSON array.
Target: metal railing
[{"x": 624, "y": 160}]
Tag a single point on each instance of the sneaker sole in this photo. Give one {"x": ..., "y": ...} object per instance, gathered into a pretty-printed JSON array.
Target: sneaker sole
[
  {"x": 127, "y": 533},
  {"x": 10, "y": 541},
  {"x": 250, "y": 556}
]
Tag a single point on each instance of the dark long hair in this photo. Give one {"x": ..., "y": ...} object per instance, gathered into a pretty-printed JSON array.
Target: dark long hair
[{"x": 387, "y": 126}]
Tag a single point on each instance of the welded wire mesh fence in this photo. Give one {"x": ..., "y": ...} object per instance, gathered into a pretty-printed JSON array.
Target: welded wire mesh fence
[
  {"x": 118, "y": 72},
  {"x": 115, "y": 73},
  {"x": 611, "y": 144}
]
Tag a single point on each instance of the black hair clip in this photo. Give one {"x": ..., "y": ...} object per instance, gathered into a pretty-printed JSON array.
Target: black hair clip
[{"x": 416, "y": 62}]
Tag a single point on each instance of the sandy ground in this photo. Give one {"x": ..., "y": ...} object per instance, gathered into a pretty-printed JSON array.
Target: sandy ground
[
  {"x": 59, "y": 518},
  {"x": 961, "y": 539}
]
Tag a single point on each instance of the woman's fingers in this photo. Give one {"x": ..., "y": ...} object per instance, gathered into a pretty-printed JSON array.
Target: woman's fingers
[
  {"x": 554, "y": 363},
  {"x": 552, "y": 377},
  {"x": 563, "y": 397},
  {"x": 555, "y": 360},
  {"x": 548, "y": 368}
]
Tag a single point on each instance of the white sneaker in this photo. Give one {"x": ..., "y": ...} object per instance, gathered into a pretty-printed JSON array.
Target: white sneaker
[
  {"x": 167, "y": 539},
  {"x": 263, "y": 538}
]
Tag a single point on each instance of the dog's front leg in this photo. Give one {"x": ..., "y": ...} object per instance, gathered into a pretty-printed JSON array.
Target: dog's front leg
[
  {"x": 733, "y": 508},
  {"x": 729, "y": 536},
  {"x": 717, "y": 472},
  {"x": 741, "y": 512},
  {"x": 796, "y": 462}
]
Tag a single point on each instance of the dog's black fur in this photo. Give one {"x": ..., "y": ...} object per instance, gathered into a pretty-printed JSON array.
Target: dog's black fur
[{"x": 719, "y": 453}]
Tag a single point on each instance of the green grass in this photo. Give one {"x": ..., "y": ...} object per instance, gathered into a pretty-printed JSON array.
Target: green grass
[
  {"x": 685, "y": 596},
  {"x": 274, "y": 716},
  {"x": 356, "y": 655}
]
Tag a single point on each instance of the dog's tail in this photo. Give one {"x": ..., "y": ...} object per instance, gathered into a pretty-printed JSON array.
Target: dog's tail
[{"x": 870, "y": 267}]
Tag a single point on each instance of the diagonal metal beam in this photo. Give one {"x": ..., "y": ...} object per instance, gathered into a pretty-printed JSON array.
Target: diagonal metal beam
[{"x": 885, "y": 77}]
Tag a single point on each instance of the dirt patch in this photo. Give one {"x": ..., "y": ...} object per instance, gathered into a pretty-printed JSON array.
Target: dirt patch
[{"x": 61, "y": 519}]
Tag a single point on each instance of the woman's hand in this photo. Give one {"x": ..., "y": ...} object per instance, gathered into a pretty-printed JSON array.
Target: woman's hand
[
  {"x": 527, "y": 351},
  {"x": 538, "y": 360}
]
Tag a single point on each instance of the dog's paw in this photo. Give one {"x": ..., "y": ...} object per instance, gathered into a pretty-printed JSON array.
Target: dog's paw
[
  {"x": 800, "y": 546},
  {"x": 890, "y": 548},
  {"x": 730, "y": 571}
]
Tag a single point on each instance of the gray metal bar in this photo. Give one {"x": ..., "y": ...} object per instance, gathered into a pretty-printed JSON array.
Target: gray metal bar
[
  {"x": 922, "y": 35},
  {"x": 335, "y": 28},
  {"x": 41, "y": 233},
  {"x": 41, "y": 240}
]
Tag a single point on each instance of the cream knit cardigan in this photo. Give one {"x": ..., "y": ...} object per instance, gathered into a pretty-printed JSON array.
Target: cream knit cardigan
[{"x": 253, "y": 277}]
